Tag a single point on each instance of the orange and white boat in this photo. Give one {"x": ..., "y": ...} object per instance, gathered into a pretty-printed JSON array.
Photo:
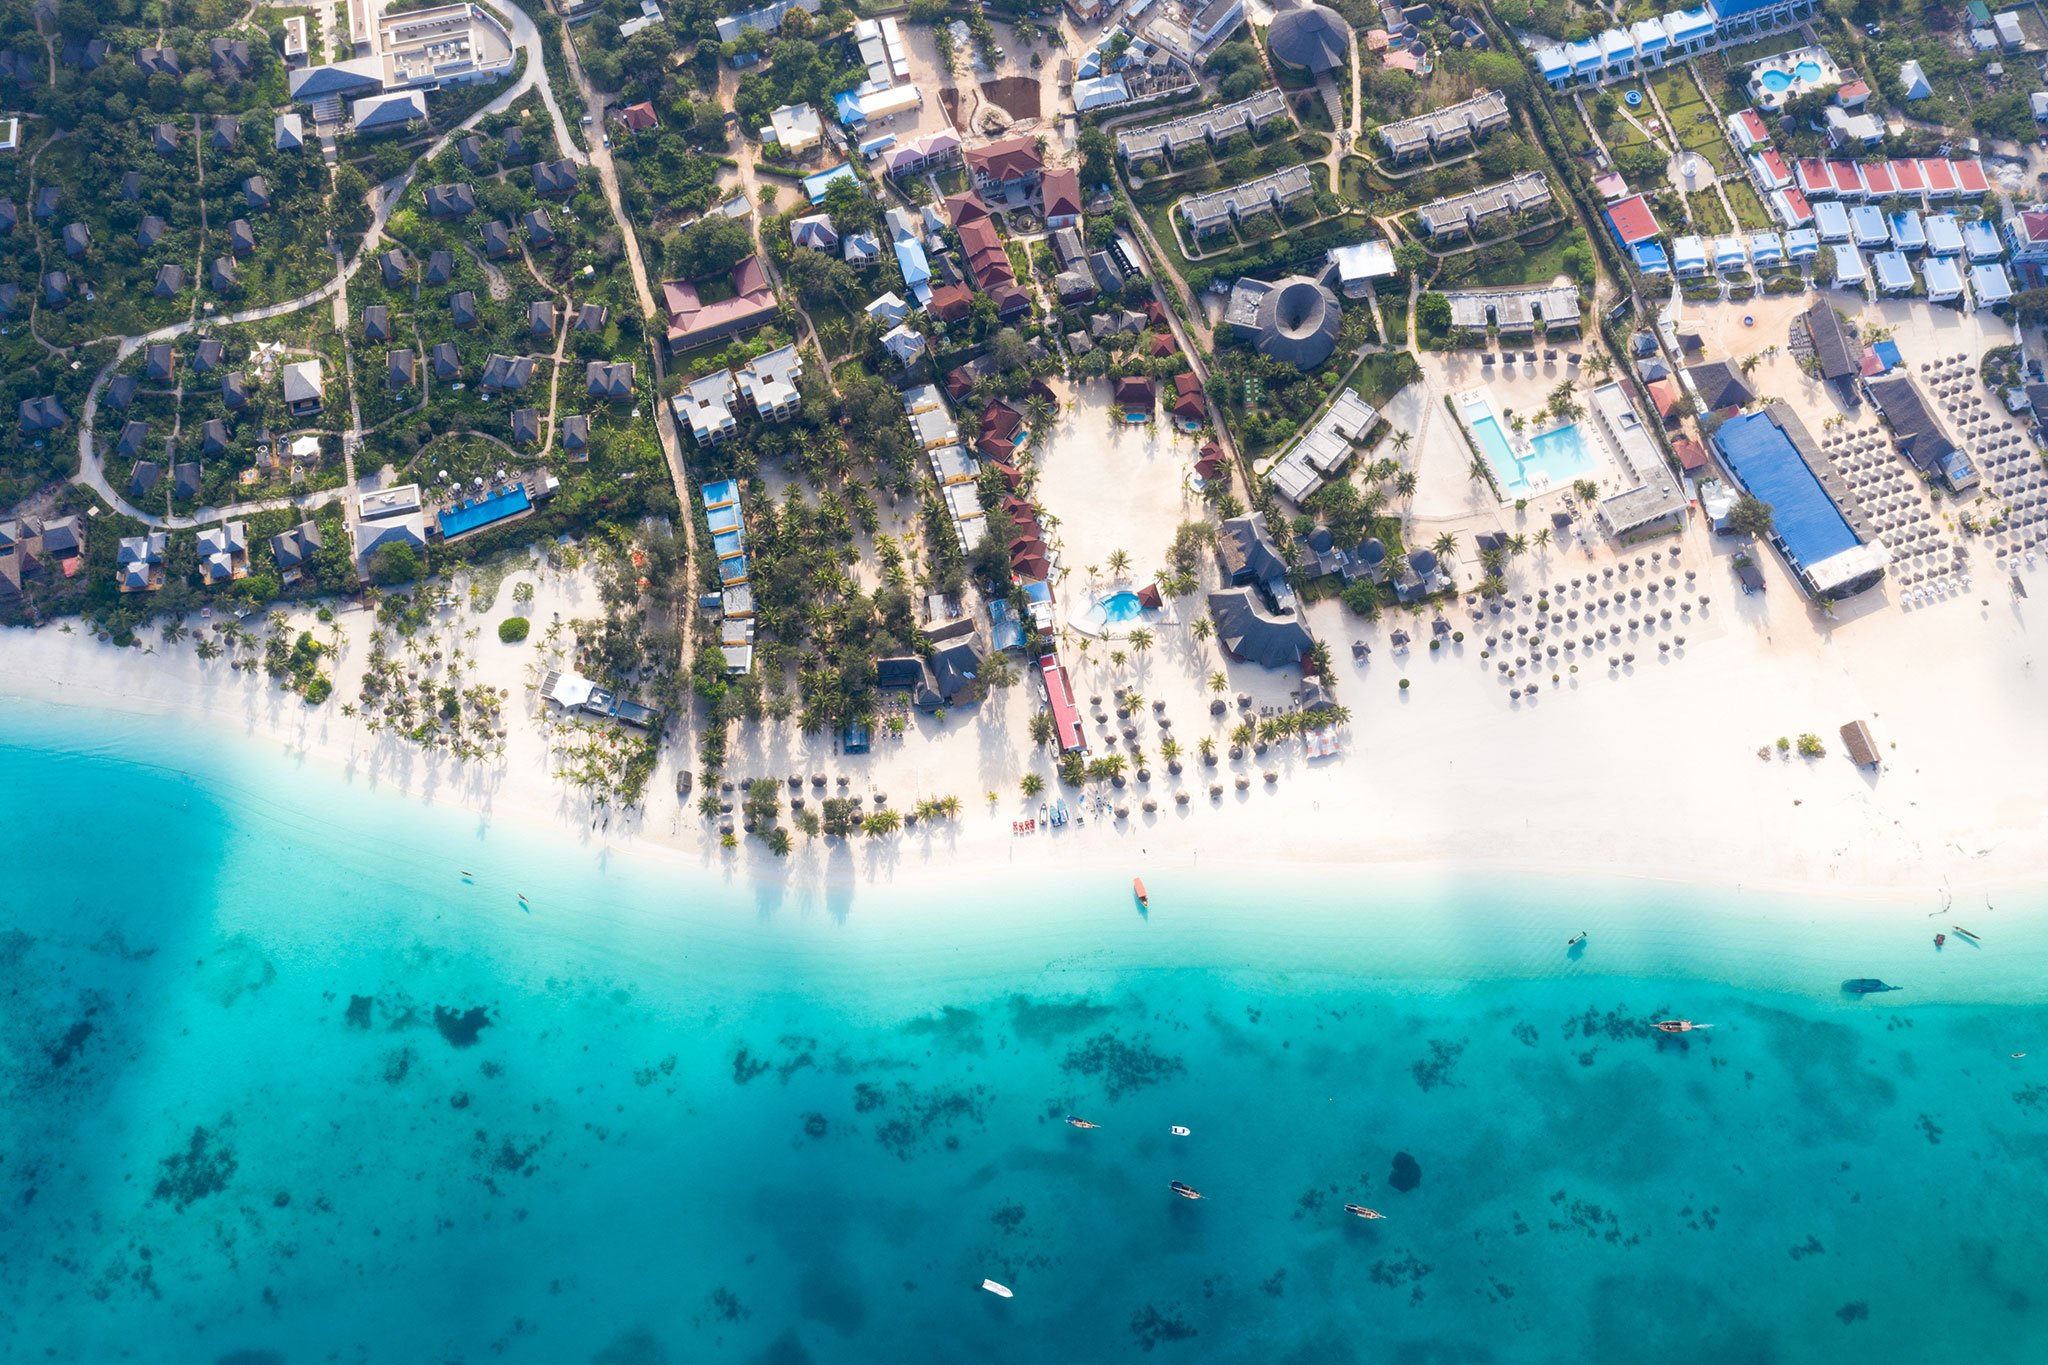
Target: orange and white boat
[{"x": 1138, "y": 889}]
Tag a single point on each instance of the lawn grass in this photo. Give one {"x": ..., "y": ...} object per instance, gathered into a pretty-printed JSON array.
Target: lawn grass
[
  {"x": 1675, "y": 89},
  {"x": 1352, "y": 183},
  {"x": 1749, "y": 210},
  {"x": 1537, "y": 264},
  {"x": 1708, "y": 217},
  {"x": 1385, "y": 373},
  {"x": 1769, "y": 46}
]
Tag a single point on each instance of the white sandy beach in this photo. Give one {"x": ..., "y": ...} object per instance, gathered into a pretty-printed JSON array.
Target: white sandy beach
[{"x": 1650, "y": 772}]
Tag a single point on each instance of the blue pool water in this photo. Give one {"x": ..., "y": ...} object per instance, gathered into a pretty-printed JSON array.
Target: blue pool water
[
  {"x": 1807, "y": 71},
  {"x": 1559, "y": 456},
  {"x": 1120, "y": 606},
  {"x": 506, "y": 502},
  {"x": 1777, "y": 82},
  {"x": 282, "y": 1087},
  {"x": 1765, "y": 459}
]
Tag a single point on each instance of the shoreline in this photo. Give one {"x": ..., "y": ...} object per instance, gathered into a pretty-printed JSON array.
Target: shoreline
[{"x": 1649, "y": 772}]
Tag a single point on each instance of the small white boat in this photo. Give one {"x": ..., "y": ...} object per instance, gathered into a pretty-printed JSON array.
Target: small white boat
[
  {"x": 1179, "y": 1131},
  {"x": 1001, "y": 1291}
]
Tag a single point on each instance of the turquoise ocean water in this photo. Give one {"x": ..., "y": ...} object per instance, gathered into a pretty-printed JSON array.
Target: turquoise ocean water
[{"x": 279, "y": 1086}]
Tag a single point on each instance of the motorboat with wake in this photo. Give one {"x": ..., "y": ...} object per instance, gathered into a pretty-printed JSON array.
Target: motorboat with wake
[
  {"x": 1185, "y": 1191},
  {"x": 1001, "y": 1291},
  {"x": 1679, "y": 1026}
]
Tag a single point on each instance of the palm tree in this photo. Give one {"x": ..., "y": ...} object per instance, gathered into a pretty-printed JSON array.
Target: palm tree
[
  {"x": 1518, "y": 544},
  {"x": 1218, "y": 681},
  {"x": 1169, "y": 749},
  {"x": 949, "y": 805},
  {"x": 1748, "y": 363},
  {"x": 1403, "y": 438},
  {"x": 1445, "y": 545},
  {"x": 1118, "y": 657},
  {"x": 1037, "y": 410},
  {"x": 1478, "y": 470},
  {"x": 1140, "y": 640},
  {"x": 1033, "y": 784},
  {"x": 1206, "y": 746},
  {"x": 1246, "y": 733},
  {"x": 1543, "y": 536},
  {"x": 1600, "y": 363},
  {"x": 1404, "y": 482},
  {"x": 1118, "y": 561},
  {"x": 1203, "y": 628}
]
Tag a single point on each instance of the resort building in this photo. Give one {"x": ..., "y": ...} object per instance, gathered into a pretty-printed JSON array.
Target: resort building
[
  {"x": 421, "y": 49},
  {"x": 1831, "y": 221},
  {"x": 1466, "y": 214},
  {"x": 692, "y": 322},
  {"x": 1167, "y": 141},
  {"x": 767, "y": 20},
  {"x": 1358, "y": 266},
  {"x": 1455, "y": 125},
  {"x": 1867, "y": 226},
  {"x": 704, "y": 407},
  {"x": 2027, "y": 234},
  {"x": 1772, "y": 456},
  {"x": 1275, "y": 193},
  {"x": 1309, "y": 38},
  {"x": 1251, "y": 634},
  {"x": 1318, "y": 456},
  {"x": 1990, "y": 285},
  {"x": 1944, "y": 235},
  {"x": 1294, "y": 320},
  {"x": 1894, "y": 274},
  {"x": 1850, "y": 272},
  {"x": 1689, "y": 256},
  {"x": 1917, "y": 429},
  {"x": 1944, "y": 280},
  {"x": 1645, "y": 45},
  {"x": 1656, "y": 497},
  {"x": 1011, "y": 166},
  {"x": 769, "y": 383}
]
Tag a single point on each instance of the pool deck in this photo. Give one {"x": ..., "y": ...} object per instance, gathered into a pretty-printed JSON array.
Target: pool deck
[{"x": 1086, "y": 618}]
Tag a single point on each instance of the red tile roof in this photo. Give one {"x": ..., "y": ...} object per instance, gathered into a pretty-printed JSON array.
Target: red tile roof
[
  {"x": 1632, "y": 219},
  {"x": 1907, "y": 173},
  {"x": 1664, "y": 393},
  {"x": 1185, "y": 383},
  {"x": 689, "y": 316},
  {"x": 1013, "y": 158},
  {"x": 964, "y": 208},
  {"x": 950, "y": 302},
  {"x": 1775, "y": 164},
  {"x": 1802, "y": 212},
  {"x": 1854, "y": 93},
  {"x": 1970, "y": 177},
  {"x": 1813, "y": 177},
  {"x": 1848, "y": 177},
  {"x": 1754, "y": 126},
  {"x": 1878, "y": 178},
  {"x": 639, "y": 117},
  {"x": 986, "y": 259},
  {"x": 1162, "y": 344},
  {"x": 1062, "y": 191},
  {"x": 1691, "y": 455},
  {"x": 1134, "y": 391}
]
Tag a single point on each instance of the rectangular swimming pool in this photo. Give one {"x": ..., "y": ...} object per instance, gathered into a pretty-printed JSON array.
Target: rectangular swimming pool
[
  {"x": 1805, "y": 517},
  {"x": 1557, "y": 457},
  {"x": 506, "y": 502}
]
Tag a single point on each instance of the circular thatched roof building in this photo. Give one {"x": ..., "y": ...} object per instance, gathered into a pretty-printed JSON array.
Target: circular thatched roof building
[
  {"x": 1310, "y": 37},
  {"x": 1298, "y": 321}
]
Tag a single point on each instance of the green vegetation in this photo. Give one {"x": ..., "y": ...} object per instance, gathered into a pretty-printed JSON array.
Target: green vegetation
[{"x": 513, "y": 629}]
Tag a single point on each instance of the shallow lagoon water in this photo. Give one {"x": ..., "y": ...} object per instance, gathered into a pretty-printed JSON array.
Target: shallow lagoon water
[{"x": 283, "y": 1087}]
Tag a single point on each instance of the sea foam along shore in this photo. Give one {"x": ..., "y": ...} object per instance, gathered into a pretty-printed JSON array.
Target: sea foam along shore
[{"x": 1652, "y": 771}]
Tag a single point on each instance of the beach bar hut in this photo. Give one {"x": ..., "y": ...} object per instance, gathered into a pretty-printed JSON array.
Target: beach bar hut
[{"x": 1862, "y": 748}]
